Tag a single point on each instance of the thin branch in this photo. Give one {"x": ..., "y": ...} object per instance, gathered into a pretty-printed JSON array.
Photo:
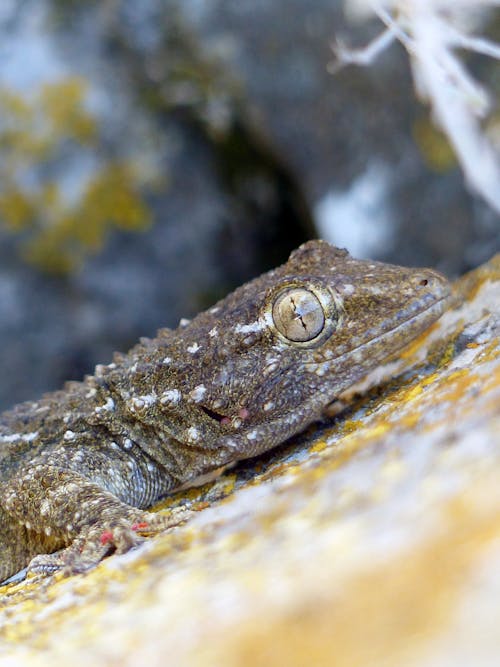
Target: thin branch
[
  {"x": 428, "y": 30},
  {"x": 477, "y": 44},
  {"x": 365, "y": 56}
]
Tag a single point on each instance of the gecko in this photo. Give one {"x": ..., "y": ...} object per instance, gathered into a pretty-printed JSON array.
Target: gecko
[{"x": 80, "y": 466}]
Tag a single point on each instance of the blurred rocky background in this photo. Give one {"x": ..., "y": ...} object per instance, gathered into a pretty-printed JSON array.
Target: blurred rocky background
[{"x": 154, "y": 155}]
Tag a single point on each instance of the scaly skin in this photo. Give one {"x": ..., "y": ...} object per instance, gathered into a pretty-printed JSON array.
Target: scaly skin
[{"x": 78, "y": 467}]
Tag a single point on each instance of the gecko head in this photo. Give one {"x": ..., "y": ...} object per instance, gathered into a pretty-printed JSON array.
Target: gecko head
[{"x": 271, "y": 356}]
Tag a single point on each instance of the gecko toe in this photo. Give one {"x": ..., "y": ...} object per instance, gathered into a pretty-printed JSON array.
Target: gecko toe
[{"x": 116, "y": 536}]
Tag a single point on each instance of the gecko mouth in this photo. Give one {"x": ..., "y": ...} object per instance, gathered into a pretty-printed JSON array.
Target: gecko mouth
[
  {"x": 216, "y": 416},
  {"x": 335, "y": 404},
  {"x": 435, "y": 310},
  {"x": 427, "y": 316}
]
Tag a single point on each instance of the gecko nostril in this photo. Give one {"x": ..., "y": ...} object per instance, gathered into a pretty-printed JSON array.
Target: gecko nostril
[{"x": 424, "y": 282}]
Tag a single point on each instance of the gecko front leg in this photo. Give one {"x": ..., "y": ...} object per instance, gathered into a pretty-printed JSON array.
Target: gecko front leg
[{"x": 60, "y": 509}]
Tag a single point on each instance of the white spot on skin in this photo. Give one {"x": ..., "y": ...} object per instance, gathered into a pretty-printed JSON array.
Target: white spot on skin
[
  {"x": 25, "y": 437},
  {"x": 198, "y": 393},
  {"x": 170, "y": 396},
  {"x": 347, "y": 289},
  {"x": 109, "y": 406},
  {"x": 167, "y": 360},
  {"x": 213, "y": 332},
  {"x": 193, "y": 434},
  {"x": 141, "y": 402},
  {"x": 214, "y": 310},
  {"x": 137, "y": 404},
  {"x": 90, "y": 393},
  {"x": 10, "y": 438},
  {"x": 376, "y": 290},
  {"x": 69, "y": 435},
  {"x": 192, "y": 349},
  {"x": 268, "y": 406},
  {"x": 253, "y": 327},
  {"x": 252, "y": 435},
  {"x": 127, "y": 443},
  {"x": 183, "y": 322},
  {"x": 357, "y": 355}
]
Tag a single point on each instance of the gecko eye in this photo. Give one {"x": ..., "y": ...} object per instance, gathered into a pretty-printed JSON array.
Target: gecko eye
[{"x": 298, "y": 314}]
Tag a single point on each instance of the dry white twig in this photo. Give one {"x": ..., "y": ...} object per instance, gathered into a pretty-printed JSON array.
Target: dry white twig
[{"x": 431, "y": 31}]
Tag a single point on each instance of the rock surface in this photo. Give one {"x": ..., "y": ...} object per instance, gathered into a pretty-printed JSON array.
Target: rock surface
[{"x": 372, "y": 540}]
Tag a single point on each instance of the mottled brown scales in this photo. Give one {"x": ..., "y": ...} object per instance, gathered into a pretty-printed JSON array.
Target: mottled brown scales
[{"x": 79, "y": 466}]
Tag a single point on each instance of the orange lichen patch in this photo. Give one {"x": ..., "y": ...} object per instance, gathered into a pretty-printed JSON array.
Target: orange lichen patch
[
  {"x": 188, "y": 495},
  {"x": 227, "y": 486},
  {"x": 492, "y": 380},
  {"x": 373, "y": 433},
  {"x": 490, "y": 351},
  {"x": 409, "y": 421},
  {"x": 411, "y": 349},
  {"x": 430, "y": 380},
  {"x": 201, "y": 505},
  {"x": 318, "y": 446},
  {"x": 275, "y": 471},
  {"x": 349, "y": 445},
  {"x": 413, "y": 392},
  {"x": 447, "y": 355},
  {"x": 352, "y": 425},
  {"x": 457, "y": 385}
]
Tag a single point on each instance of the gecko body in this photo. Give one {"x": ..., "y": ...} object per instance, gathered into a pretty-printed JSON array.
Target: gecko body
[{"x": 79, "y": 467}]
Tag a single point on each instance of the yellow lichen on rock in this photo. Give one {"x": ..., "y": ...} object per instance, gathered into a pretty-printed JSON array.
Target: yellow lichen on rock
[{"x": 58, "y": 226}]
